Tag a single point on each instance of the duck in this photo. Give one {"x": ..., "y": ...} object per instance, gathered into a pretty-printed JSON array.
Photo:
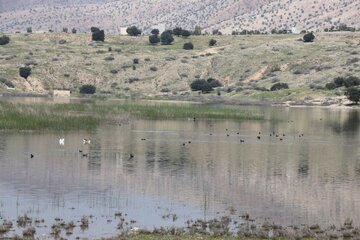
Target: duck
[
  {"x": 62, "y": 141},
  {"x": 86, "y": 141},
  {"x": 31, "y": 155}
]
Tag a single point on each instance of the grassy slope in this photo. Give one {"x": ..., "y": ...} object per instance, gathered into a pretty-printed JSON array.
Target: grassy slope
[{"x": 242, "y": 63}]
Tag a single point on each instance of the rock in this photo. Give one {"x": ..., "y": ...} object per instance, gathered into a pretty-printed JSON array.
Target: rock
[{"x": 29, "y": 232}]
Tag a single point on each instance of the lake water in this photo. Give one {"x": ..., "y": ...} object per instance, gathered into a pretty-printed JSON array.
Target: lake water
[{"x": 311, "y": 176}]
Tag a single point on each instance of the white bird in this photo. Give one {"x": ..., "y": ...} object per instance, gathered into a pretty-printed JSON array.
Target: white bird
[
  {"x": 86, "y": 141},
  {"x": 62, "y": 141}
]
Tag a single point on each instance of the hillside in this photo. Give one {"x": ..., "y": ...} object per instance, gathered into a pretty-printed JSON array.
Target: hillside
[
  {"x": 247, "y": 66},
  {"x": 227, "y": 15}
]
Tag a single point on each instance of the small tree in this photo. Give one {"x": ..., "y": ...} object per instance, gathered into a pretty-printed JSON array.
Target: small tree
[
  {"x": 29, "y": 30},
  {"x": 201, "y": 85},
  {"x": 279, "y": 86},
  {"x": 197, "y": 30},
  {"x": 166, "y": 38},
  {"x": 177, "y": 31},
  {"x": 65, "y": 30},
  {"x": 351, "y": 81},
  {"x": 74, "y": 30},
  {"x": 94, "y": 29},
  {"x": 155, "y": 31},
  {"x": 87, "y": 89},
  {"x": 25, "y": 72},
  {"x": 353, "y": 94},
  {"x": 309, "y": 37},
  {"x": 188, "y": 46},
  {"x": 98, "y": 36},
  {"x": 133, "y": 31},
  {"x": 185, "y": 33},
  {"x": 212, "y": 42},
  {"x": 154, "y": 39},
  {"x": 4, "y": 40}
]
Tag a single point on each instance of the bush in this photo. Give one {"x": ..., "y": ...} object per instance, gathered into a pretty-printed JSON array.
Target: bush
[
  {"x": 177, "y": 31},
  {"x": 4, "y": 40},
  {"x": 73, "y": 30},
  {"x": 309, "y": 37},
  {"x": 94, "y": 29},
  {"x": 136, "y": 61},
  {"x": 7, "y": 82},
  {"x": 188, "y": 46},
  {"x": 25, "y": 72},
  {"x": 201, "y": 85},
  {"x": 339, "y": 81},
  {"x": 65, "y": 30},
  {"x": 330, "y": 86},
  {"x": 29, "y": 30},
  {"x": 154, "y": 39},
  {"x": 155, "y": 31},
  {"x": 212, "y": 42},
  {"x": 133, "y": 31},
  {"x": 98, "y": 35},
  {"x": 279, "y": 86},
  {"x": 87, "y": 89},
  {"x": 351, "y": 81},
  {"x": 353, "y": 94},
  {"x": 166, "y": 38},
  {"x": 154, "y": 69},
  {"x": 214, "y": 83},
  {"x": 185, "y": 33}
]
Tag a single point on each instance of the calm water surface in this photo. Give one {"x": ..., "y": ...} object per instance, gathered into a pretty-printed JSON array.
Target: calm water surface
[{"x": 314, "y": 178}]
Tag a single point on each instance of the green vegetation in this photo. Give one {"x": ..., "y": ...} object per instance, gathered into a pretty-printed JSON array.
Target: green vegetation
[
  {"x": 97, "y": 34},
  {"x": 88, "y": 116},
  {"x": 154, "y": 39},
  {"x": 188, "y": 46},
  {"x": 279, "y": 86},
  {"x": 133, "y": 31},
  {"x": 42, "y": 117},
  {"x": 166, "y": 38},
  {"x": 87, "y": 89},
  {"x": 309, "y": 37},
  {"x": 212, "y": 42},
  {"x": 353, "y": 94},
  {"x": 4, "y": 40},
  {"x": 25, "y": 72}
]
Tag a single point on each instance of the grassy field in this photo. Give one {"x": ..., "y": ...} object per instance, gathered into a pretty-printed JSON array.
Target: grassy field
[
  {"x": 247, "y": 66},
  {"x": 88, "y": 116}
]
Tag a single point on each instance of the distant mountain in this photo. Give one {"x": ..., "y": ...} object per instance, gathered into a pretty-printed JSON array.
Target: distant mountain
[{"x": 226, "y": 15}]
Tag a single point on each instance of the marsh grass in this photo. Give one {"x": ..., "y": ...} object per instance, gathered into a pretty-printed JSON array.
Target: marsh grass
[{"x": 89, "y": 115}]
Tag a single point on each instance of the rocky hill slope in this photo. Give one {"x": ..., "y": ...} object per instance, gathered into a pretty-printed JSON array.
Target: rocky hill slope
[{"x": 226, "y": 15}]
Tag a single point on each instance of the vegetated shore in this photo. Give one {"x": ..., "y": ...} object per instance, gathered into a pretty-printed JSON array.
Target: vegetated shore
[{"x": 129, "y": 67}]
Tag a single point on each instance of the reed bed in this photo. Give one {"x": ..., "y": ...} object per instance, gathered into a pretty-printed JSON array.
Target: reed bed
[{"x": 89, "y": 115}]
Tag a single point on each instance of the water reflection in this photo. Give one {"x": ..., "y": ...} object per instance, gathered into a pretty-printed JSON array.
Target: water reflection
[{"x": 192, "y": 169}]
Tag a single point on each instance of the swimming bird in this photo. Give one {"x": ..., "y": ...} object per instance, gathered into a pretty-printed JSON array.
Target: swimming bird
[
  {"x": 31, "y": 155},
  {"x": 86, "y": 141},
  {"x": 62, "y": 141},
  {"x": 143, "y": 139},
  {"x": 242, "y": 140},
  {"x": 85, "y": 155},
  {"x": 258, "y": 137},
  {"x": 131, "y": 155}
]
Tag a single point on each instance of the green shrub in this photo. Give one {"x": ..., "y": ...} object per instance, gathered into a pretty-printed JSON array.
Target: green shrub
[
  {"x": 87, "y": 89},
  {"x": 331, "y": 86},
  {"x": 154, "y": 39},
  {"x": 133, "y": 31},
  {"x": 212, "y": 42},
  {"x": 4, "y": 40},
  {"x": 188, "y": 46},
  {"x": 25, "y": 72},
  {"x": 166, "y": 38},
  {"x": 309, "y": 37},
  {"x": 279, "y": 86},
  {"x": 339, "y": 81},
  {"x": 201, "y": 85},
  {"x": 97, "y": 34},
  {"x": 351, "y": 81},
  {"x": 353, "y": 94},
  {"x": 214, "y": 83}
]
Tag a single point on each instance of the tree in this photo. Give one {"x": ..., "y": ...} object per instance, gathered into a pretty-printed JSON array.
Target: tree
[
  {"x": 25, "y": 72},
  {"x": 98, "y": 35},
  {"x": 216, "y": 32},
  {"x": 351, "y": 81},
  {"x": 94, "y": 29},
  {"x": 188, "y": 46},
  {"x": 133, "y": 31},
  {"x": 65, "y": 30},
  {"x": 177, "y": 31},
  {"x": 197, "y": 30},
  {"x": 185, "y": 33},
  {"x": 201, "y": 85},
  {"x": 154, "y": 39},
  {"x": 279, "y": 86},
  {"x": 309, "y": 37},
  {"x": 166, "y": 38},
  {"x": 73, "y": 30},
  {"x": 29, "y": 30},
  {"x": 155, "y": 31},
  {"x": 87, "y": 89},
  {"x": 4, "y": 40},
  {"x": 212, "y": 42},
  {"x": 353, "y": 94}
]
